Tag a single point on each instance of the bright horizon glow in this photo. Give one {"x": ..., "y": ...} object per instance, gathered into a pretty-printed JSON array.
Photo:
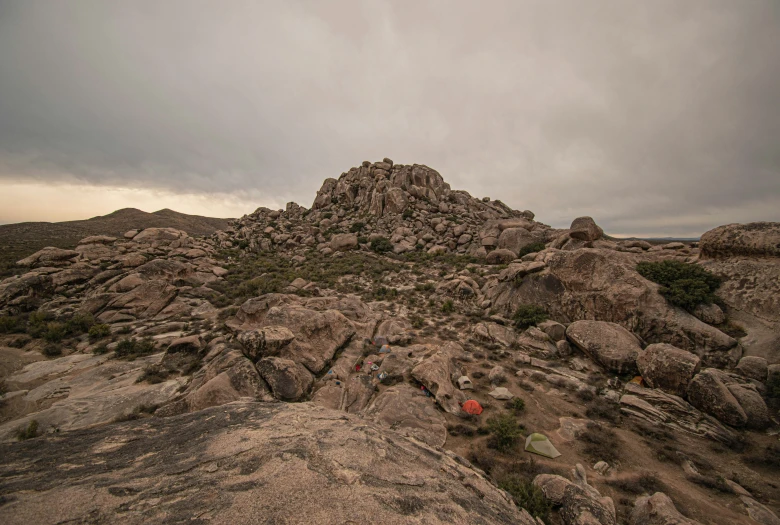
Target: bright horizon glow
[{"x": 39, "y": 202}]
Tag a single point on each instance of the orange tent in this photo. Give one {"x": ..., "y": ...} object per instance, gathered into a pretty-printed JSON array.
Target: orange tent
[{"x": 472, "y": 407}]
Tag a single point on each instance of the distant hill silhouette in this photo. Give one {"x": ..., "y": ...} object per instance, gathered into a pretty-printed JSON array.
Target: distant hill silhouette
[{"x": 22, "y": 239}]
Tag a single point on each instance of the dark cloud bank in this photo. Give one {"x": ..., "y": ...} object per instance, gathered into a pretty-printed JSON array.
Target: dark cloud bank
[{"x": 653, "y": 117}]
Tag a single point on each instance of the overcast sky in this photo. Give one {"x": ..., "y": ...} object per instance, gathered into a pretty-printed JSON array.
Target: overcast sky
[{"x": 656, "y": 118}]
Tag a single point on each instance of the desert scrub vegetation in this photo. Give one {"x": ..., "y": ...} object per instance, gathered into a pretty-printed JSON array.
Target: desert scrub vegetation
[
  {"x": 600, "y": 443},
  {"x": 30, "y": 431},
  {"x": 131, "y": 348},
  {"x": 516, "y": 405},
  {"x": 527, "y": 496},
  {"x": 43, "y": 325},
  {"x": 531, "y": 248},
  {"x": 682, "y": 284},
  {"x": 529, "y": 315},
  {"x": 251, "y": 275},
  {"x": 504, "y": 432},
  {"x": 381, "y": 245}
]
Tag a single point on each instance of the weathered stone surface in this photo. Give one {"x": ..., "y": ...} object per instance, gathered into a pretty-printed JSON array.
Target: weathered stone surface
[
  {"x": 753, "y": 367},
  {"x": 500, "y": 256},
  {"x": 49, "y": 256},
  {"x": 263, "y": 342},
  {"x": 658, "y": 509},
  {"x": 609, "y": 344},
  {"x": 556, "y": 331},
  {"x": 289, "y": 381},
  {"x": 436, "y": 373},
  {"x": 667, "y": 367},
  {"x": 409, "y": 412},
  {"x": 581, "y": 504},
  {"x": 708, "y": 392},
  {"x": 278, "y": 461},
  {"x": 710, "y": 314},
  {"x": 660, "y": 408},
  {"x": 604, "y": 285},
  {"x": 755, "y": 239},
  {"x": 343, "y": 242},
  {"x": 585, "y": 229}
]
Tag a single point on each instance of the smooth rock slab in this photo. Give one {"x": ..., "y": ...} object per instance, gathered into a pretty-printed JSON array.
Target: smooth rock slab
[{"x": 245, "y": 463}]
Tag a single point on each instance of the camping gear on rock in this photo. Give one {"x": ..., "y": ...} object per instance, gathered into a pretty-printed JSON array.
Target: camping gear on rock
[
  {"x": 374, "y": 367},
  {"x": 638, "y": 381},
  {"x": 472, "y": 407},
  {"x": 464, "y": 383},
  {"x": 385, "y": 349},
  {"x": 425, "y": 391},
  {"x": 501, "y": 393},
  {"x": 382, "y": 376},
  {"x": 539, "y": 444}
]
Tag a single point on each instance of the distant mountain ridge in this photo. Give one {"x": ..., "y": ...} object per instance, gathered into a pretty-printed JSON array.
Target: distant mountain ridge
[{"x": 21, "y": 239}]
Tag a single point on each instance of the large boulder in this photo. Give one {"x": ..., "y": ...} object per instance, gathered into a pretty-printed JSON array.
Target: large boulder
[
  {"x": 515, "y": 239},
  {"x": 591, "y": 283},
  {"x": 49, "y": 256},
  {"x": 709, "y": 393},
  {"x": 753, "y": 367},
  {"x": 289, "y": 381},
  {"x": 658, "y": 509},
  {"x": 667, "y": 367},
  {"x": 585, "y": 229},
  {"x": 437, "y": 373},
  {"x": 410, "y": 412},
  {"x": 500, "y": 256},
  {"x": 755, "y": 239},
  {"x": 608, "y": 344},
  {"x": 264, "y": 342},
  {"x": 581, "y": 504},
  {"x": 159, "y": 235},
  {"x": 318, "y": 334},
  {"x": 343, "y": 242},
  {"x": 243, "y": 463}
]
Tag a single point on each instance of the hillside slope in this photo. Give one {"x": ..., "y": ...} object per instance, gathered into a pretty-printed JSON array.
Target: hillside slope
[{"x": 21, "y": 239}]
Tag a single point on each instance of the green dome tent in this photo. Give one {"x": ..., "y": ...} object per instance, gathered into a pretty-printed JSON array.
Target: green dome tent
[{"x": 539, "y": 444}]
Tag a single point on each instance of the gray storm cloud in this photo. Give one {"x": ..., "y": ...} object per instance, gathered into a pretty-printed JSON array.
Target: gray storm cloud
[{"x": 652, "y": 117}]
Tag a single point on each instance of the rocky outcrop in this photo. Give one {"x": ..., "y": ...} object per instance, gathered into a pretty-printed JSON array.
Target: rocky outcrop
[
  {"x": 438, "y": 374},
  {"x": 728, "y": 398},
  {"x": 240, "y": 461},
  {"x": 579, "y": 502},
  {"x": 609, "y": 344},
  {"x": 658, "y": 509},
  {"x": 289, "y": 381},
  {"x": 659, "y": 408},
  {"x": 755, "y": 239},
  {"x": 667, "y": 367},
  {"x": 603, "y": 285}
]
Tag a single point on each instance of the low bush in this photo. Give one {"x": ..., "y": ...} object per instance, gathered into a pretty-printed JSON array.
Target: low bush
[
  {"x": 417, "y": 321},
  {"x": 381, "y": 245},
  {"x": 357, "y": 227},
  {"x": 461, "y": 430},
  {"x": 529, "y": 315},
  {"x": 28, "y": 432},
  {"x": 531, "y": 248},
  {"x": 448, "y": 306},
  {"x": 11, "y": 324},
  {"x": 504, "y": 431},
  {"x": 52, "y": 350},
  {"x": 769, "y": 459},
  {"x": 408, "y": 213},
  {"x": 99, "y": 331},
  {"x": 153, "y": 374},
  {"x": 600, "y": 443},
  {"x": 682, "y": 284},
  {"x": 132, "y": 348},
  {"x": 642, "y": 483},
  {"x": 601, "y": 408},
  {"x": 517, "y": 405},
  {"x": 527, "y": 496}
]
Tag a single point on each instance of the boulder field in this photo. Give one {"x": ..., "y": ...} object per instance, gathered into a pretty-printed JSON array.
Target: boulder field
[{"x": 311, "y": 365}]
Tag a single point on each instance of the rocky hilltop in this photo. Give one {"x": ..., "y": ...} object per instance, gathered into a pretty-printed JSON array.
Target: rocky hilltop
[{"x": 382, "y": 357}]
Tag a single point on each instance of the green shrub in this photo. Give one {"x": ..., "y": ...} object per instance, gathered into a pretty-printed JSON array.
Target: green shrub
[
  {"x": 773, "y": 386},
  {"x": 516, "y": 404},
  {"x": 55, "y": 332},
  {"x": 448, "y": 306},
  {"x": 384, "y": 294},
  {"x": 100, "y": 349},
  {"x": 52, "y": 350},
  {"x": 527, "y": 496},
  {"x": 357, "y": 227},
  {"x": 408, "y": 213},
  {"x": 327, "y": 215},
  {"x": 99, "y": 331},
  {"x": 29, "y": 432},
  {"x": 529, "y": 315},
  {"x": 600, "y": 443},
  {"x": 417, "y": 321},
  {"x": 505, "y": 432},
  {"x": 132, "y": 348},
  {"x": 362, "y": 240},
  {"x": 531, "y": 248},
  {"x": 80, "y": 323},
  {"x": 381, "y": 245},
  {"x": 10, "y": 324},
  {"x": 682, "y": 284}
]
